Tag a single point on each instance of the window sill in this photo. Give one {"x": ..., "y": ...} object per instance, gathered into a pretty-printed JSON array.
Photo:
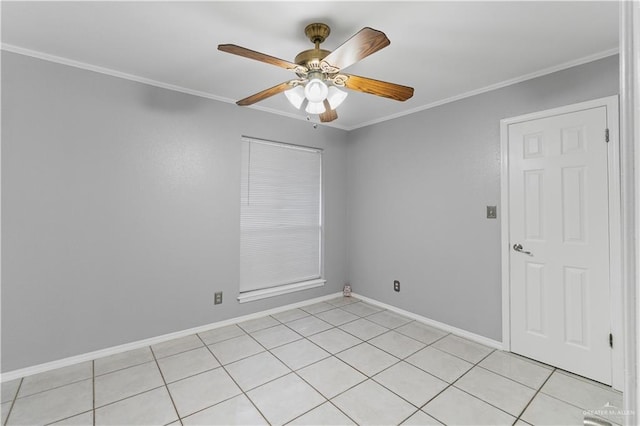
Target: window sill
[{"x": 250, "y": 296}]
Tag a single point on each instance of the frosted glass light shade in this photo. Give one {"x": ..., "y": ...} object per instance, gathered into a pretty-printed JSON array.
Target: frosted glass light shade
[
  {"x": 295, "y": 96},
  {"x": 316, "y": 91},
  {"x": 336, "y": 96},
  {"x": 315, "y": 108}
]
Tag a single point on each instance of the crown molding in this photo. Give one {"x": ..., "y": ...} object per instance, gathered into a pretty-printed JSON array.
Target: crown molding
[
  {"x": 499, "y": 85},
  {"x": 139, "y": 79},
  {"x": 132, "y": 77}
]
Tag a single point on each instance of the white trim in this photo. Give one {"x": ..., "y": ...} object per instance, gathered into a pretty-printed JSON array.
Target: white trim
[
  {"x": 615, "y": 244},
  {"x": 47, "y": 366},
  {"x": 132, "y": 77},
  {"x": 611, "y": 104},
  {"x": 428, "y": 321},
  {"x": 630, "y": 189},
  {"x": 499, "y": 85},
  {"x": 108, "y": 71},
  {"x": 250, "y": 296}
]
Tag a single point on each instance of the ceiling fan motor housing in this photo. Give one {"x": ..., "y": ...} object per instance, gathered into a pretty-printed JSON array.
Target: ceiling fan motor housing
[{"x": 317, "y": 33}]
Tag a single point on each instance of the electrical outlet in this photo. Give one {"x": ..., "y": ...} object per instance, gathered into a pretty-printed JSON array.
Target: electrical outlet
[
  {"x": 217, "y": 298},
  {"x": 492, "y": 212},
  {"x": 396, "y": 285}
]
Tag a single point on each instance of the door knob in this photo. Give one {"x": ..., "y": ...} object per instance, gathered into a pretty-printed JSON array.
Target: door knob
[{"x": 518, "y": 248}]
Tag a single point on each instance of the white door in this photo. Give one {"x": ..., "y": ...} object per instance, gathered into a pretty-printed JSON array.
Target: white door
[{"x": 559, "y": 240}]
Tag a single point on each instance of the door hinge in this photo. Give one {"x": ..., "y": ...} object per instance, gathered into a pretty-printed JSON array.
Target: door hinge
[
  {"x": 611, "y": 340},
  {"x": 606, "y": 135}
]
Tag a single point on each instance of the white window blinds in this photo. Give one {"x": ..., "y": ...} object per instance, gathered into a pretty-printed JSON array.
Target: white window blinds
[{"x": 280, "y": 214}]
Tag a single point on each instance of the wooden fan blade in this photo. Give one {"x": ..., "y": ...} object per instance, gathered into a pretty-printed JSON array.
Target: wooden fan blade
[
  {"x": 364, "y": 43},
  {"x": 264, "y": 94},
  {"x": 252, "y": 54},
  {"x": 378, "y": 88},
  {"x": 329, "y": 114}
]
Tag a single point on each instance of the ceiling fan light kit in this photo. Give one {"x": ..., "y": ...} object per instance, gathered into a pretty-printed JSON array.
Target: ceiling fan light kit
[
  {"x": 319, "y": 72},
  {"x": 295, "y": 96},
  {"x": 315, "y": 90}
]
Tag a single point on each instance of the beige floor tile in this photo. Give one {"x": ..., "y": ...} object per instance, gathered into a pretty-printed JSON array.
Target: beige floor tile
[
  {"x": 326, "y": 414},
  {"x": 52, "y": 405},
  {"x": 420, "y": 418},
  {"x": 275, "y": 336},
  {"x": 441, "y": 364},
  {"x": 202, "y": 391},
  {"x": 389, "y": 319},
  {"x": 364, "y": 329},
  {"x": 516, "y": 368},
  {"x": 235, "y": 411},
  {"x": 284, "y": 399},
  {"x": 371, "y": 404},
  {"x": 331, "y": 376},
  {"x": 337, "y": 316},
  {"x": 122, "y": 360},
  {"x": 189, "y": 363},
  {"x": 309, "y": 325},
  {"x": 411, "y": 383},
  {"x": 421, "y": 332},
  {"x": 367, "y": 359},
  {"x": 149, "y": 408},
  {"x": 497, "y": 390},
  {"x": 55, "y": 378},
  {"x": 258, "y": 324},
  {"x": 175, "y": 346},
  {"x": 235, "y": 349},
  {"x": 455, "y": 407},
  {"x": 219, "y": 334},
  {"x": 397, "y": 344},
  {"x": 124, "y": 383},
  {"x": 256, "y": 370},
  {"x": 334, "y": 340},
  {"x": 463, "y": 348},
  {"x": 9, "y": 390},
  {"x": 300, "y": 353}
]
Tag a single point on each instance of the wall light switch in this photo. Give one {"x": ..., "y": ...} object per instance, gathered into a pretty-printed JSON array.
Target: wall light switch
[{"x": 492, "y": 212}]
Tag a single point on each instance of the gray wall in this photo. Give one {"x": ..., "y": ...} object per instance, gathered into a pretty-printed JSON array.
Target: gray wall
[
  {"x": 120, "y": 209},
  {"x": 418, "y": 187}
]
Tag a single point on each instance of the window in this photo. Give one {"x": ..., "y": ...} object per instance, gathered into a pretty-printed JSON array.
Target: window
[{"x": 280, "y": 219}]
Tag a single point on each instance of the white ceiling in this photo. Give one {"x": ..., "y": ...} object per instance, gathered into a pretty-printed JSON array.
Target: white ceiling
[{"x": 444, "y": 50}]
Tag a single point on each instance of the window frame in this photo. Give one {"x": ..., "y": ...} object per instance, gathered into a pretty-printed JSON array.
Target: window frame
[{"x": 278, "y": 290}]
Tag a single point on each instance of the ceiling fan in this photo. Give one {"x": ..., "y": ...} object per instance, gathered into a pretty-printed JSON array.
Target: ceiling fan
[{"x": 319, "y": 72}]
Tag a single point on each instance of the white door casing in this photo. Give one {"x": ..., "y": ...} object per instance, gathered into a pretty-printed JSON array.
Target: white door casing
[{"x": 559, "y": 202}]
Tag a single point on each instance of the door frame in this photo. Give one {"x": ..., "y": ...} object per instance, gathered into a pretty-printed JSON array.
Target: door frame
[{"x": 615, "y": 230}]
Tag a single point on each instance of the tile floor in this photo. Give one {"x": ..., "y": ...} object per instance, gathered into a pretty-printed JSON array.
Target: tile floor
[{"x": 333, "y": 363}]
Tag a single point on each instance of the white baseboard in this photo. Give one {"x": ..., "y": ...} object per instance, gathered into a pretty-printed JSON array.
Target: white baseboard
[
  {"x": 65, "y": 362},
  {"x": 428, "y": 321}
]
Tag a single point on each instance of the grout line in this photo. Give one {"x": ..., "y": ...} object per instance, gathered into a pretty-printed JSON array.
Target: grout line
[
  {"x": 165, "y": 384},
  {"x": 557, "y": 398},
  {"x": 297, "y": 375},
  {"x": 126, "y": 397},
  {"x": 487, "y": 402},
  {"x": 234, "y": 381},
  {"x": 13, "y": 401},
  {"x": 334, "y": 355},
  {"x": 93, "y": 390},
  {"x": 534, "y": 395},
  {"x": 368, "y": 377},
  {"x": 452, "y": 383},
  {"x": 55, "y": 387},
  {"x": 123, "y": 368},
  {"x": 509, "y": 378}
]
